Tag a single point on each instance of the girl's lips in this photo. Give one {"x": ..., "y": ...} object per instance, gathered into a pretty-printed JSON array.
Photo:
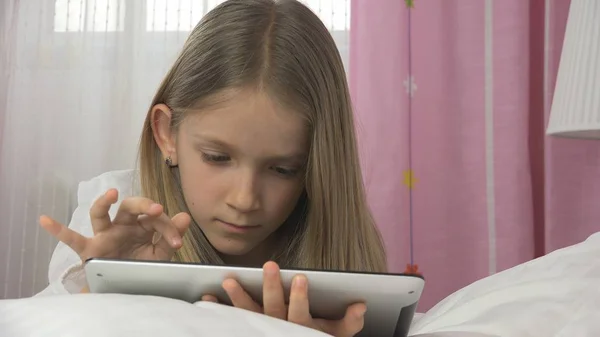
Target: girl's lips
[{"x": 237, "y": 228}]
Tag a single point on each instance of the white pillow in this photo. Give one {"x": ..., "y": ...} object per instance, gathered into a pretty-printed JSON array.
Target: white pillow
[
  {"x": 100, "y": 315},
  {"x": 556, "y": 295}
]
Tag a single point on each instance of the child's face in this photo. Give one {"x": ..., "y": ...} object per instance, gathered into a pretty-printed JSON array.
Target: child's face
[{"x": 241, "y": 165}]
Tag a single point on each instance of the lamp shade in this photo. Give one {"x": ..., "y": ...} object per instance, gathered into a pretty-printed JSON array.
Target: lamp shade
[{"x": 575, "y": 108}]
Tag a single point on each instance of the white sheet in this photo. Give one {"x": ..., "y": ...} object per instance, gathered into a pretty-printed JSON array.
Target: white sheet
[
  {"x": 94, "y": 315},
  {"x": 557, "y": 295}
]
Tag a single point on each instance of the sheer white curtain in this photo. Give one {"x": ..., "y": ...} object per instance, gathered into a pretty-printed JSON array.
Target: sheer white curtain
[{"x": 76, "y": 78}]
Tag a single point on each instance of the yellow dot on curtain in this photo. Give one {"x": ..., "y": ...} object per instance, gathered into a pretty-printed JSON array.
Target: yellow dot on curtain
[
  {"x": 409, "y": 179},
  {"x": 410, "y": 3}
]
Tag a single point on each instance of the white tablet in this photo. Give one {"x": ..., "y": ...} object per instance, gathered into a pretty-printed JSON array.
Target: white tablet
[{"x": 391, "y": 298}]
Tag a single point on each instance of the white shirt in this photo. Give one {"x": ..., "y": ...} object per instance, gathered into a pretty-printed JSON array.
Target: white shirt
[{"x": 65, "y": 272}]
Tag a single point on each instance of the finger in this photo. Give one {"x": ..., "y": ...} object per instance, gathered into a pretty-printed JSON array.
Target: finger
[
  {"x": 210, "y": 298},
  {"x": 74, "y": 240},
  {"x": 273, "y": 297},
  {"x": 99, "y": 211},
  {"x": 299, "y": 310},
  {"x": 352, "y": 323},
  {"x": 132, "y": 208},
  {"x": 354, "y": 320},
  {"x": 163, "y": 225},
  {"x": 239, "y": 297},
  {"x": 182, "y": 222}
]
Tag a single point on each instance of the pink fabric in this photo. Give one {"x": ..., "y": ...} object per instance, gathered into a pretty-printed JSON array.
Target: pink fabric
[{"x": 543, "y": 190}]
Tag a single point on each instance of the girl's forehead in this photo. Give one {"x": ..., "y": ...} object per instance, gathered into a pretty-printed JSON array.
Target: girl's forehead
[{"x": 251, "y": 120}]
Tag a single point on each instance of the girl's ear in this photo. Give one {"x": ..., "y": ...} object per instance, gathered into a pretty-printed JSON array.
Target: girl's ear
[{"x": 161, "y": 116}]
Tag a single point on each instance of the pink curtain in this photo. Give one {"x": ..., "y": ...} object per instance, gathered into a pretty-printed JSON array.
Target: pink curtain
[{"x": 488, "y": 189}]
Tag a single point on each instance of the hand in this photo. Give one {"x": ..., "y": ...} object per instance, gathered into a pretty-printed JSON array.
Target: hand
[
  {"x": 298, "y": 309},
  {"x": 129, "y": 235}
]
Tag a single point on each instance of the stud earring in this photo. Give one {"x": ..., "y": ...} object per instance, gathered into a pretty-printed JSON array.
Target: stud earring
[{"x": 169, "y": 161}]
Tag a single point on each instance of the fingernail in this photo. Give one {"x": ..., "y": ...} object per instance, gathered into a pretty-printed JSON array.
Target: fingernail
[
  {"x": 176, "y": 241},
  {"x": 228, "y": 285},
  {"x": 270, "y": 271},
  {"x": 362, "y": 312},
  {"x": 299, "y": 282}
]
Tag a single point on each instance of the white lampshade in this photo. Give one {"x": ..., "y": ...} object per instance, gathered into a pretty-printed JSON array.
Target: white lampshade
[{"x": 575, "y": 108}]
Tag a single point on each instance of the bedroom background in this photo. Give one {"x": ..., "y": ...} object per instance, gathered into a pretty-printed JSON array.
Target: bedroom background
[{"x": 451, "y": 97}]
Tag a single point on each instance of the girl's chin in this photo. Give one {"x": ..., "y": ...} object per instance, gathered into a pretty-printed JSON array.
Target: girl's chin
[{"x": 232, "y": 247}]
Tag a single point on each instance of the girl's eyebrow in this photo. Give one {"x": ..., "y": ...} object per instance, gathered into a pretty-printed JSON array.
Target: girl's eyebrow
[
  {"x": 298, "y": 157},
  {"x": 213, "y": 141},
  {"x": 293, "y": 158}
]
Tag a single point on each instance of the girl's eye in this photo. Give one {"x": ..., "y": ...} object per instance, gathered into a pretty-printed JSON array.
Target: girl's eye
[
  {"x": 285, "y": 171},
  {"x": 215, "y": 158}
]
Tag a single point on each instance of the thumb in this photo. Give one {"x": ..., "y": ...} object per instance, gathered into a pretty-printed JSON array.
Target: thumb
[
  {"x": 352, "y": 323},
  {"x": 181, "y": 221}
]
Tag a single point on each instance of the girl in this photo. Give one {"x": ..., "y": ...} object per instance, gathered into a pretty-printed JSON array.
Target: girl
[{"x": 248, "y": 157}]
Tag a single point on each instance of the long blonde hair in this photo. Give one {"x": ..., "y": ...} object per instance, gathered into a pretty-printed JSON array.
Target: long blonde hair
[{"x": 282, "y": 47}]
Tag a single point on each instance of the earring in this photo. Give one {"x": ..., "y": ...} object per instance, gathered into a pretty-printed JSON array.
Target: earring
[{"x": 169, "y": 161}]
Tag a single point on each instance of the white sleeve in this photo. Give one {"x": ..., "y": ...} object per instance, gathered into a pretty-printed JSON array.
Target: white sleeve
[{"x": 65, "y": 273}]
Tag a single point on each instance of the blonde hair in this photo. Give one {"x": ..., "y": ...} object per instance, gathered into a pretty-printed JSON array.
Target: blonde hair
[{"x": 283, "y": 48}]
